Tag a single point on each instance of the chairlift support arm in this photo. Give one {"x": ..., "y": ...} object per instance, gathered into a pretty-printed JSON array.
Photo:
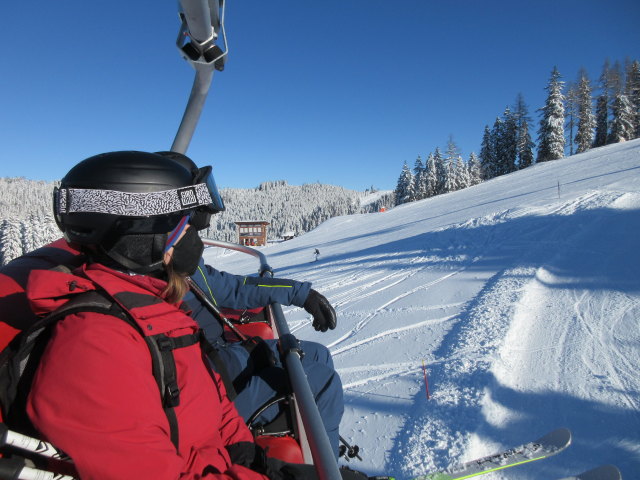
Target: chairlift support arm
[{"x": 201, "y": 28}]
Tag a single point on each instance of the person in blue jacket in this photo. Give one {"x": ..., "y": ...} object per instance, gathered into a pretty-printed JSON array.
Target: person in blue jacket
[{"x": 254, "y": 368}]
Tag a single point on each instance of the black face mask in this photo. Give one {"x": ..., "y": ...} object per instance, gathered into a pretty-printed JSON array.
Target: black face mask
[{"x": 187, "y": 252}]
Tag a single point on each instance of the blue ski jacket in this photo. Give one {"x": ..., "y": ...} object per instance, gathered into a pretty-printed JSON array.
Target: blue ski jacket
[{"x": 237, "y": 291}]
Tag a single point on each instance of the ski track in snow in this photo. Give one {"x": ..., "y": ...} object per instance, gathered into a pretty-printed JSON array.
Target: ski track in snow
[
  {"x": 385, "y": 333},
  {"x": 363, "y": 323}
]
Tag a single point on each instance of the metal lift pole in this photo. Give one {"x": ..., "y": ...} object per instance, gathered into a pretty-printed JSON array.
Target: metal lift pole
[{"x": 202, "y": 26}]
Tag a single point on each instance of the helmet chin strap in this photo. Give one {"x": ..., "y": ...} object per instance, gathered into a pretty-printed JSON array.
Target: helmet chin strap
[
  {"x": 132, "y": 266},
  {"x": 142, "y": 254}
]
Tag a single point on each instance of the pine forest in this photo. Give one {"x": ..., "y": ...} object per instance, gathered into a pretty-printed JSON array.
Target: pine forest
[
  {"x": 576, "y": 117},
  {"x": 26, "y": 221}
]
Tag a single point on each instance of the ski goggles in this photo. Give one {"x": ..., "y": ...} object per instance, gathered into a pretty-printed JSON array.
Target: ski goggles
[
  {"x": 205, "y": 176},
  {"x": 201, "y": 216}
]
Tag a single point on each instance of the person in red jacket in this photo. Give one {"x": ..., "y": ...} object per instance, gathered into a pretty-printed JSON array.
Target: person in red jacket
[{"x": 135, "y": 215}]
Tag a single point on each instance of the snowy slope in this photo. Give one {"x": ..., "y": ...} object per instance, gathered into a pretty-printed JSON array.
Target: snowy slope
[{"x": 522, "y": 297}]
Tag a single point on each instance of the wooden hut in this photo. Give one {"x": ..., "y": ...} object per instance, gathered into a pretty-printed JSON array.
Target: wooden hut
[{"x": 252, "y": 234}]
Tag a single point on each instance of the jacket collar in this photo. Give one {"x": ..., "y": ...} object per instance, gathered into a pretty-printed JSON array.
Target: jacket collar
[{"x": 140, "y": 295}]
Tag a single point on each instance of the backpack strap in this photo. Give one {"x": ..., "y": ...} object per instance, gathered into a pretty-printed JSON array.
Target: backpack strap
[
  {"x": 164, "y": 371},
  {"x": 213, "y": 354}
]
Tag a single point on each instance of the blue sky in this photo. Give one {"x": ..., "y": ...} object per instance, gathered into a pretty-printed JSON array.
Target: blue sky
[{"x": 340, "y": 92}]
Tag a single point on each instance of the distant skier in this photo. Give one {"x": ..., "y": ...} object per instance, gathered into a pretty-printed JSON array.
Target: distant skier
[{"x": 316, "y": 253}]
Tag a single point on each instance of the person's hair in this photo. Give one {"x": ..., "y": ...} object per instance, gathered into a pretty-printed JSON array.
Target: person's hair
[{"x": 177, "y": 286}]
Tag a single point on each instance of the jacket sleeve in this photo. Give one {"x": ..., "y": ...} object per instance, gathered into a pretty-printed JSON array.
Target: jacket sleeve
[
  {"x": 94, "y": 397},
  {"x": 236, "y": 291}
]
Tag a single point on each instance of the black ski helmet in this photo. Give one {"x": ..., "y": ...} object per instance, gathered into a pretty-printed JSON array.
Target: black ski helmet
[
  {"x": 182, "y": 159},
  {"x": 124, "y": 203}
]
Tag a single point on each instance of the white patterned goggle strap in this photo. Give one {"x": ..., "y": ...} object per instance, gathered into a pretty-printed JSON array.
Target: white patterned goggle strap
[{"x": 76, "y": 200}]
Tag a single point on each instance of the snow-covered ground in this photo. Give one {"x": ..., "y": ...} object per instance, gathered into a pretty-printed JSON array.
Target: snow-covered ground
[{"x": 522, "y": 297}]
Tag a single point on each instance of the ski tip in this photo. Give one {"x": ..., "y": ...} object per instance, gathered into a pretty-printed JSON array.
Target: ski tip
[{"x": 560, "y": 438}]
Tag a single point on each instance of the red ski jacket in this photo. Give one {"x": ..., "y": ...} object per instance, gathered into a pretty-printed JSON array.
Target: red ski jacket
[{"x": 95, "y": 397}]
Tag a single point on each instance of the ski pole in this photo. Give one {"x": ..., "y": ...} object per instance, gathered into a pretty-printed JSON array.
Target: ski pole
[
  {"x": 349, "y": 451},
  {"x": 30, "y": 444},
  {"x": 199, "y": 293},
  {"x": 17, "y": 469}
]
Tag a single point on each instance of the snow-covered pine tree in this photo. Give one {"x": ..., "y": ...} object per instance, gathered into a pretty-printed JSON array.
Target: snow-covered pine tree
[
  {"x": 586, "y": 120},
  {"x": 618, "y": 106},
  {"x": 602, "y": 120},
  {"x": 419, "y": 180},
  {"x": 632, "y": 90},
  {"x": 462, "y": 178},
  {"x": 441, "y": 172},
  {"x": 10, "y": 241},
  {"x": 551, "y": 132},
  {"x": 524, "y": 145},
  {"x": 431, "y": 180},
  {"x": 497, "y": 133},
  {"x": 487, "y": 154},
  {"x": 404, "y": 188},
  {"x": 622, "y": 125},
  {"x": 496, "y": 136},
  {"x": 615, "y": 81},
  {"x": 507, "y": 144},
  {"x": 602, "y": 108},
  {"x": 571, "y": 113},
  {"x": 450, "y": 184},
  {"x": 452, "y": 155},
  {"x": 452, "y": 152},
  {"x": 27, "y": 233},
  {"x": 475, "y": 170}
]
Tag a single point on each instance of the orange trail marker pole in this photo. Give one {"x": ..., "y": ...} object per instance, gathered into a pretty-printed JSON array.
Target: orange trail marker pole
[{"x": 426, "y": 382}]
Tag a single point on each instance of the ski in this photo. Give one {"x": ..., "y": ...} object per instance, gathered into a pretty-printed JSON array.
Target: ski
[
  {"x": 17, "y": 469},
  {"x": 605, "y": 472},
  {"x": 29, "y": 444},
  {"x": 547, "y": 446}
]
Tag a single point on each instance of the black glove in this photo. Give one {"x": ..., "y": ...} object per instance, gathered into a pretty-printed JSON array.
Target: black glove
[
  {"x": 324, "y": 316},
  {"x": 260, "y": 355},
  {"x": 248, "y": 454}
]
